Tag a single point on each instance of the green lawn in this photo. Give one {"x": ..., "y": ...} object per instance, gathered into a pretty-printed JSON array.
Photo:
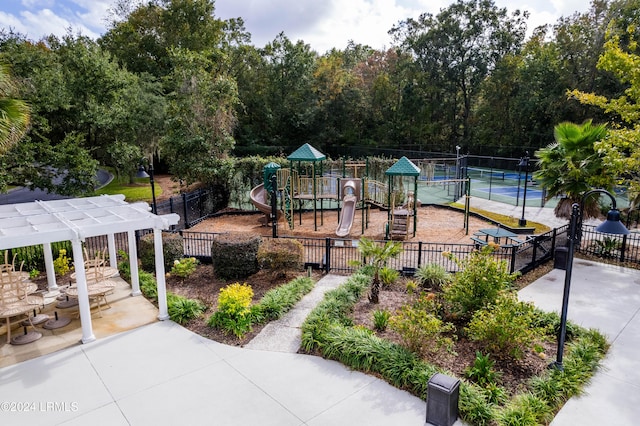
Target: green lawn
[{"x": 139, "y": 190}]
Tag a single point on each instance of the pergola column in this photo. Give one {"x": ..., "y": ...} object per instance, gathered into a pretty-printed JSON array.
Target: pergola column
[
  {"x": 162, "y": 286},
  {"x": 133, "y": 264},
  {"x": 83, "y": 294},
  {"x": 111, "y": 242},
  {"x": 48, "y": 264}
]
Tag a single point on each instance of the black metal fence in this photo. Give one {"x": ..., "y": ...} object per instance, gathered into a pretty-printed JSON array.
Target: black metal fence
[
  {"x": 192, "y": 207},
  {"x": 341, "y": 256}
]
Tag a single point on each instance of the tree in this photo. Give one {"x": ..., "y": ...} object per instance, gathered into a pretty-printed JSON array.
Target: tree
[
  {"x": 142, "y": 37},
  {"x": 572, "y": 165},
  {"x": 14, "y": 113},
  {"x": 201, "y": 118},
  {"x": 455, "y": 51},
  {"x": 621, "y": 149},
  {"x": 377, "y": 256},
  {"x": 51, "y": 155}
]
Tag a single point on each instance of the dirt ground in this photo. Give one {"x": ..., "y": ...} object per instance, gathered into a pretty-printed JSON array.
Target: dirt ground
[{"x": 435, "y": 224}]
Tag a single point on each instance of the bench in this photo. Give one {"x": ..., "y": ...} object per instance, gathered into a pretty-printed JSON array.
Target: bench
[{"x": 478, "y": 242}]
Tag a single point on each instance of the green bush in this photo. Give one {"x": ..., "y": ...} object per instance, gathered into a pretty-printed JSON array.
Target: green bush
[
  {"x": 525, "y": 409},
  {"x": 433, "y": 276},
  {"x": 550, "y": 323},
  {"x": 61, "y": 263},
  {"x": 506, "y": 326},
  {"x": 419, "y": 327},
  {"x": 328, "y": 330},
  {"x": 277, "y": 301},
  {"x": 280, "y": 255},
  {"x": 482, "y": 371},
  {"x": 388, "y": 276},
  {"x": 124, "y": 267},
  {"x": 172, "y": 249},
  {"x": 148, "y": 285},
  {"x": 381, "y": 319},
  {"x": 235, "y": 256},
  {"x": 184, "y": 267},
  {"x": 183, "y": 310},
  {"x": 234, "y": 312},
  {"x": 477, "y": 284}
]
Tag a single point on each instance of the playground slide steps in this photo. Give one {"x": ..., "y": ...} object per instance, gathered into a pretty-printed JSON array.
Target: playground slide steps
[{"x": 400, "y": 226}]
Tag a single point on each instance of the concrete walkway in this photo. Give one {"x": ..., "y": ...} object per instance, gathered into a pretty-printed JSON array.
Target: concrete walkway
[
  {"x": 605, "y": 297},
  {"x": 285, "y": 335}
]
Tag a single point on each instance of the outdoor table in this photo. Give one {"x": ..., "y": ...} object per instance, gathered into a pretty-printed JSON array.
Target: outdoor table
[{"x": 497, "y": 234}]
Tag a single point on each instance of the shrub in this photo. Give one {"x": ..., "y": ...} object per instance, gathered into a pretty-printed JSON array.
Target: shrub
[
  {"x": 183, "y": 310},
  {"x": 334, "y": 309},
  {"x": 433, "y": 276},
  {"x": 61, "y": 263},
  {"x": 388, "y": 276},
  {"x": 381, "y": 319},
  {"x": 280, "y": 255},
  {"x": 606, "y": 248},
  {"x": 411, "y": 287},
  {"x": 419, "y": 327},
  {"x": 123, "y": 266},
  {"x": 184, "y": 267},
  {"x": 279, "y": 300},
  {"x": 234, "y": 313},
  {"x": 235, "y": 256},
  {"x": 148, "y": 285},
  {"x": 525, "y": 409},
  {"x": 482, "y": 371},
  {"x": 478, "y": 283},
  {"x": 550, "y": 323},
  {"x": 505, "y": 327},
  {"x": 172, "y": 249}
]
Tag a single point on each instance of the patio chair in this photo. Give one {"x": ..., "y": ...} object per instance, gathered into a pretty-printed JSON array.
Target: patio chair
[
  {"x": 98, "y": 285},
  {"x": 96, "y": 269},
  {"x": 17, "y": 300}
]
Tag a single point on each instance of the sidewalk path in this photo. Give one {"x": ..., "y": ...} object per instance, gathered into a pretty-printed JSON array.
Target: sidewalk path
[
  {"x": 605, "y": 297},
  {"x": 285, "y": 335}
]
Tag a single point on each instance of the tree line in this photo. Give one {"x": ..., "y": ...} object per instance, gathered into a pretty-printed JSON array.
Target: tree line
[{"x": 169, "y": 80}]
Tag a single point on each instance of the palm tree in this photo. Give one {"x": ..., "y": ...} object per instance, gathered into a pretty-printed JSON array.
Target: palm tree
[
  {"x": 14, "y": 113},
  {"x": 377, "y": 256},
  {"x": 572, "y": 165}
]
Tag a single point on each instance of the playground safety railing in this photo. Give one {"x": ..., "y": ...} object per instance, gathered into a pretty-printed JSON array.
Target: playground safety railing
[{"x": 337, "y": 255}]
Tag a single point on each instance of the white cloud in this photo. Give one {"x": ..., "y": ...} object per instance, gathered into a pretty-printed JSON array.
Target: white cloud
[
  {"x": 45, "y": 22},
  {"x": 94, "y": 13},
  {"x": 38, "y": 4},
  {"x": 322, "y": 24}
]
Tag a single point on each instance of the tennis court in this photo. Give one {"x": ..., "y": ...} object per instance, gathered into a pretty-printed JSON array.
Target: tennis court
[{"x": 511, "y": 191}]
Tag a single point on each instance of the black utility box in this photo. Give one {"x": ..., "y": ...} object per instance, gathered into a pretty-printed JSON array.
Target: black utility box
[
  {"x": 560, "y": 258},
  {"x": 442, "y": 400}
]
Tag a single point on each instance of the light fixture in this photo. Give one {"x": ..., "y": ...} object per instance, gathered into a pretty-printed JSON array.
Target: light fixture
[
  {"x": 612, "y": 225},
  {"x": 524, "y": 162},
  {"x": 142, "y": 173}
]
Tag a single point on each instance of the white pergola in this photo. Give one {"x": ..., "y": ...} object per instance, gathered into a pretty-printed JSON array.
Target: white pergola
[{"x": 45, "y": 222}]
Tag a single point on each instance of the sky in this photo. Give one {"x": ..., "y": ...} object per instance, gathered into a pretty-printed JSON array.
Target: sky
[{"x": 323, "y": 24}]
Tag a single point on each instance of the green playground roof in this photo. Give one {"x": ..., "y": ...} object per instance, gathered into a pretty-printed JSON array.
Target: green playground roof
[
  {"x": 403, "y": 167},
  {"x": 306, "y": 153}
]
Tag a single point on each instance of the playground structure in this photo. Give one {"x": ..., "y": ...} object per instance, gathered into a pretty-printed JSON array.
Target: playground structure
[
  {"x": 350, "y": 201},
  {"x": 285, "y": 191}
]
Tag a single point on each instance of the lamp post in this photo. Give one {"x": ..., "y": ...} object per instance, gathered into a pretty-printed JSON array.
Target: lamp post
[
  {"x": 143, "y": 174},
  {"x": 610, "y": 226},
  {"x": 458, "y": 172},
  {"x": 524, "y": 162}
]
